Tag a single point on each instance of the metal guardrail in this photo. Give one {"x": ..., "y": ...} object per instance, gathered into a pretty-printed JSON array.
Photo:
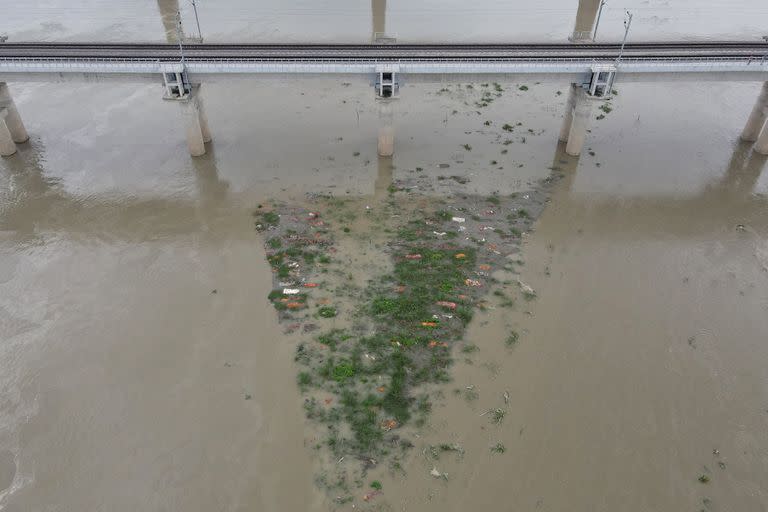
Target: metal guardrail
[{"x": 413, "y": 65}]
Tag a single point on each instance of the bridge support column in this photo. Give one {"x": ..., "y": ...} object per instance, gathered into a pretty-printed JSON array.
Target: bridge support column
[
  {"x": 191, "y": 112},
  {"x": 7, "y": 146},
  {"x": 582, "y": 111},
  {"x": 12, "y": 118},
  {"x": 568, "y": 116},
  {"x": 203, "y": 119},
  {"x": 757, "y": 117},
  {"x": 585, "y": 20},
  {"x": 761, "y": 146},
  {"x": 386, "y": 143}
]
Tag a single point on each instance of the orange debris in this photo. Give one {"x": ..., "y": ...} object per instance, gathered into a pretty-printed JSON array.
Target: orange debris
[
  {"x": 460, "y": 256},
  {"x": 388, "y": 424},
  {"x": 446, "y": 304},
  {"x": 413, "y": 256},
  {"x": 429, "y": 324}
]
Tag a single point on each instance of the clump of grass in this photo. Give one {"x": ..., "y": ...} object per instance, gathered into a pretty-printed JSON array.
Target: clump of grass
[
  {"x": 498, "y": 448},
  {"x": 507, "y": 127},
  {"x": 606, "y": 107},
  {"x": 523, "y": 213},
  {"x": 496, "y": 415},
  {"x": 327, "y": 312},
  {"x": 494, "y": 199},
  {"x": 304, "y": 380},
  {"x": 274, "y": 243},
  {"x": 467, "y": 147},
  {"x": 523, "y": 88},
  {"x": 704, "y": 479},
  {"x": 512, "y": 339},
  {"x": 266, "y": 219},
  {"x": 376, "y": 485}
]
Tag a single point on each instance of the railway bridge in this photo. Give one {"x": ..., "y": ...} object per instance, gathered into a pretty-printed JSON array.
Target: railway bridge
[{"x": 591, "y": 68}]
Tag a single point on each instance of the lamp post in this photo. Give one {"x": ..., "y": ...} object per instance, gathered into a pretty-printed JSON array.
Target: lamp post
[
  {"x": 627, "y": 24},
  {"x": 197, "y": 20},
  {"x": 597, "y": 23}
]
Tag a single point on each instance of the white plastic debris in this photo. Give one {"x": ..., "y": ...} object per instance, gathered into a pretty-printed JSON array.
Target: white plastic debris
[
  {"x": 459, "y": 219},
  {"x": 435, "y": 473},
  {"x": 526, "y": 288},
  {"x": 441, "y": 233},
  {"x": 291, "y": 291}
]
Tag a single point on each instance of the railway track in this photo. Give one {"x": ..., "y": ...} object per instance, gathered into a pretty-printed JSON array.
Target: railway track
[{"x": 382, "y": 53}]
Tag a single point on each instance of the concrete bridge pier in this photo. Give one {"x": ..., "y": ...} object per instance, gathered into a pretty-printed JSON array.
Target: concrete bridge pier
[
  {"x": 757, "y": 118},
  {"x": 581, "y": 111},
  {"x": 568, "y": 116},
  {"x": 7, "y": 146},
  {"x": 12, "y": 118},
  {"x": 196, "y": 124},
  {"x": 585, "y": 20},
  {"x": 379, "y": 15},
  {"x": 386, "y": 143},
  {"x": 761, "y": 145}
]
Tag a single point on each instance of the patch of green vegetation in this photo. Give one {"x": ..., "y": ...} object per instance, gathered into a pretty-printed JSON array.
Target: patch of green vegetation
[
  {"x": 704, "y": 479},
  {"x": 467, "y": 147},
  {"x": 274, "y": 243},
  {"x": 327, "y": 312},
  {"x": 606, "y": 107},
  {"x": 512, "y": 339},
  {"x": 470, "y": 348},
  {"x": 523, "y": 213},
  {"x": 497, "y": 415},
  {"x": 498, "y": 448},
  {"x": 304, "y": 380},
  {"x": 494, "y": 199},
  {"x": 507, "y": 127},
  {"x": 266, "y": 219},
  {"x": 523, "y": 88},
  {"x": 376, "y": 485}
]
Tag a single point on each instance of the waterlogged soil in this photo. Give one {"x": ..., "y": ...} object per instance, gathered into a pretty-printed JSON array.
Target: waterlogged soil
[{"x": 382, "y": 292}]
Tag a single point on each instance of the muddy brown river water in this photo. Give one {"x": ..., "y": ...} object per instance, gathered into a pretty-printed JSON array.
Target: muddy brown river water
[{"x": 143, "y": 368}]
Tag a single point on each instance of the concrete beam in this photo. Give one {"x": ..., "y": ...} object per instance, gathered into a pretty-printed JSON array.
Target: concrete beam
[
  {"x": 757, "y": 117},
  {"x": 582, "y": 111},
  {"x": 12, "y": 118},
  {"x": 7, "y": 146}
]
